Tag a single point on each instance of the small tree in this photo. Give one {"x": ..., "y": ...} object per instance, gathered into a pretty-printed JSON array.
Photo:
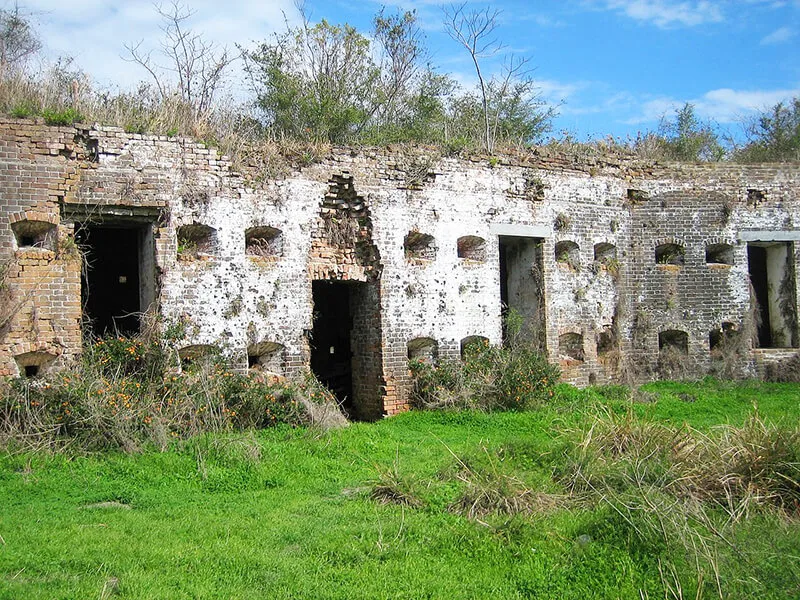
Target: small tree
[
  {"x": 774, "y": 135},
  {"x": 330, "y": 81},
  {"x": 510, "y": 107},
  {"x": 195, "y": 68},
  {"x": 686, "y": 138},
  {"x": 18, "y": 40}
]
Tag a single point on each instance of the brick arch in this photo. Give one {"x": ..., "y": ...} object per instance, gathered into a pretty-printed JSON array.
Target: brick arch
[{"x": 34, "y": 215}]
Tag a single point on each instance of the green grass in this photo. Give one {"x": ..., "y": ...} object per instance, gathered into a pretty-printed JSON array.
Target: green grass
[{"x": 287, "y": 513}]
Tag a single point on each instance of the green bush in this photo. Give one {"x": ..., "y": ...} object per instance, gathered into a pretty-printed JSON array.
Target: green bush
[
  {"x": 66, "y": 116},
  {"x": 129, "y": 392},
  {"x": 488, "y": 378}
]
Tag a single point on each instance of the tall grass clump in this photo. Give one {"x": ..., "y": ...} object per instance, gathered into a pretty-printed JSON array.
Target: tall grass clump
[
  {"x": 487, "y": 378},
  {"x": 681, "y": 494},
  {"x": 127, "y": 392}
]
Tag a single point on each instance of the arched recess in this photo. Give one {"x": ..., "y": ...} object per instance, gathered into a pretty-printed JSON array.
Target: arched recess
[
  {"x": 472, "y": 342},
  {"x": 266, "y": 356},
  {"x": 196, "y": 241},
  {"x": 472, "y": 247},
  {"x": 673, "y": 340},
  {"x": 568, "y": 253},
  {"x": 423, "y": 349},
  {"x": 605, "y": 252},
  {"x": 419, "y": 246},
  {"x": 570, "y": 345},
  {"x": 263, "y": 242},
  {"x": 32, "y": 364},
  {"x": 670, "y": 254},
  {"x": 35, "y": 234},
  {"x": 719, "y": 254},
  {"x": 197, "y": 353}
]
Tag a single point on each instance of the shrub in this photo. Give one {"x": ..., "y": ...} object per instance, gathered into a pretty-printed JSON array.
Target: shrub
[
  {"x": 489, "y": 378},
  {"x": 122, "y": 394}
]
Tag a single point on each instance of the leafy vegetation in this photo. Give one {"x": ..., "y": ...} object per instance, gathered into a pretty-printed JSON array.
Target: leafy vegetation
[
  {"x": 429, "y": 504},
  {"x": 127, "y": 393},
  {"x": 513, "y": 377},
  {"x": 774, "y": 135},
  {"x": 688, "y": 139},
  {"x": 323, "y": 83}
]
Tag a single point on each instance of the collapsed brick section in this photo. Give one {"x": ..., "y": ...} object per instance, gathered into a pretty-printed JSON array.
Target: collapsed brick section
[{"x": 584, "y": 249}]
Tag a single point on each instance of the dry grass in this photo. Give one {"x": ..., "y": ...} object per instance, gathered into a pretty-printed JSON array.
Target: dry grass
[
  {"x": 392, "y": 487},
  {"x": 742, "y": 468},
  {"x": 487, "y": 489}
]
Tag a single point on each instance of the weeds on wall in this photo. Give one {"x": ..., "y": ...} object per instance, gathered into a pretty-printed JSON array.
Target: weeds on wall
[{"x": 128, "y": 393}]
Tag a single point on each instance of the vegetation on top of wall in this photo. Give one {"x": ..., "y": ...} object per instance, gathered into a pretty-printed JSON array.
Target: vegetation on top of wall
[{"x": 376, "y": 88}]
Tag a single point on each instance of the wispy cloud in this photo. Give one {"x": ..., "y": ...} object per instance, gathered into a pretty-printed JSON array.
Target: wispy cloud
[
  {"x": 94, "y": 32},
  {"x": 779, "y": 36},
  {"x": 668, "y": 13},
  {"x": 723, "y": 105}
]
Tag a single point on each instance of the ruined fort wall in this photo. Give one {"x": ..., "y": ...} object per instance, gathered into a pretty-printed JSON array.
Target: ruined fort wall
[{"x": 596, "y": 222}]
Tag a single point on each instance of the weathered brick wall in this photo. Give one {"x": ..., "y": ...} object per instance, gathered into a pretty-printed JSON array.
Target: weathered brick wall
[
  {"x": 348, "y": 216},
  {"x": 40, "y": 312}
]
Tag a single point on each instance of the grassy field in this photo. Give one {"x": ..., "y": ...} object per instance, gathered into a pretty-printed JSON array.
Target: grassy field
[{"x": 384, "y": 511}]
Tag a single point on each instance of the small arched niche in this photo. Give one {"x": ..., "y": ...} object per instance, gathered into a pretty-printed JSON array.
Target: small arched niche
[
  {"x": 606, "y": 341},
  {"x": 419, "y": 246},
  {"x": 472, "y": 343},
  {"x": 263, "y": 242},
  {"x": 670, "y": 254},
  {"x": 719, "y": 254},
  {"x": 724, "y": 338},
  {"x": 267, "y": 357},
  {"x": 568, "y": 253},
  {"x": 674, "y": 341},
  {"x": 35, "y": 234},
  {"x": 472, "y": 247},
  {"x": 605, "y": 253},
  {"x": 197, "y": 353},
  {"x": 32, "y": 364},
  {"x": 196, "y": 241},
  {"x": 570, "y": 346},
  {"x": 424, "y": 350}
]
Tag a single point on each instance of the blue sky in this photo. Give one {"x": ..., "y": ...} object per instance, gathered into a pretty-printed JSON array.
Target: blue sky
[{"x": 614, "y": 66}]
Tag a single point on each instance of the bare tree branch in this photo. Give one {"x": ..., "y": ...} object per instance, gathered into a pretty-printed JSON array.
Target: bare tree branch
[{"x": 474, "y": 30}]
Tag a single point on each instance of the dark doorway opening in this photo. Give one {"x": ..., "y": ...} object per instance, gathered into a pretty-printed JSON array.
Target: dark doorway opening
[
  {"x": 522, "y": 290},
  {"x": 331, "y": 353},
  {"x": 115, "y": 283},
  {"x": 757, "y": 264},
  {"x": 771, "y": 269},
  {"x": 346, "y": 345}
]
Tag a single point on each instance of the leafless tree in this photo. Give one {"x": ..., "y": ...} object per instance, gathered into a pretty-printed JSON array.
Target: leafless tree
[
  {"x": 194, "y": 65},
  {"x": 474, "y": 29},
  {"x": 18, "y": 40}
]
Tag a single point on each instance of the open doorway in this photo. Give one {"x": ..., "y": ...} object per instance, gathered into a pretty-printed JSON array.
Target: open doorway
[
  {"x": 771, "y": 269},
  {"x": 522, "y": 288},
  {"x": 118, "y": 279},
  {"x": 346, "y": 344}
]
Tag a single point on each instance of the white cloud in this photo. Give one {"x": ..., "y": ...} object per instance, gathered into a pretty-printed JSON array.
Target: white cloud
[
  {"x": 779, "y": 36},
  {"x": 668, "y": 13},
  {"x": 554, "y": 91},
  {"x": 723, "y": 105},
  {"x": 726, "y": 105},
  {"x": 94, "y": 32}
]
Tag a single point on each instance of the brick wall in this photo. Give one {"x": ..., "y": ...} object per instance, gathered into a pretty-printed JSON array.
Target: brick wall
[{"x": 349, "y": 216}]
